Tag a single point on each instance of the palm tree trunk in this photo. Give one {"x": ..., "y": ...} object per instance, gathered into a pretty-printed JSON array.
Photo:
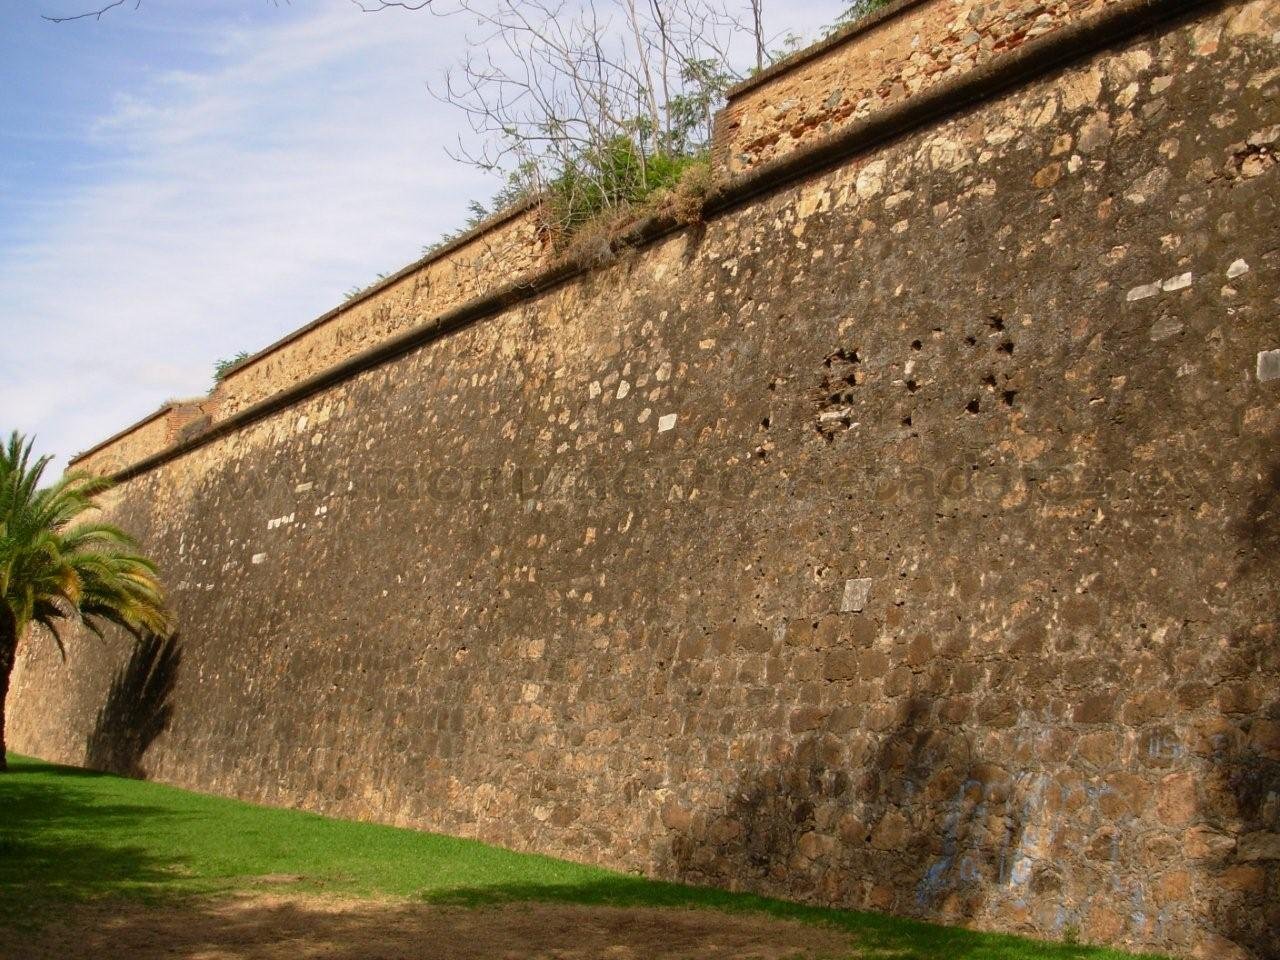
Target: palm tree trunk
[{"x": 8, "y": 652}]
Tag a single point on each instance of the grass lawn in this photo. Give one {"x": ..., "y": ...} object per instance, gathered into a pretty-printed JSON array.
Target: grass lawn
[{"x": 68, "y": 835}]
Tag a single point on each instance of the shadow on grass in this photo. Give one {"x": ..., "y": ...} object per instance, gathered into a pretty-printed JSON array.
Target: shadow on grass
[
  {"x": 46, "y": 851},
  {"x": 61, "y": 843},
  {"x": 271, "y": 929},
  {"x": 877, "y": 935}
]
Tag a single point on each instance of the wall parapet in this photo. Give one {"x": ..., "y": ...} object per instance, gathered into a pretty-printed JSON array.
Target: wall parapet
[
  {"x": 897, "y": 54},
  {"x": 907, "y": 65},
  {"x": 175, "y": 421}
]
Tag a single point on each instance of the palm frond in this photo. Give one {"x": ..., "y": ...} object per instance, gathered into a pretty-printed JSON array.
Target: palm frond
[{"x": 57, "y": 564}]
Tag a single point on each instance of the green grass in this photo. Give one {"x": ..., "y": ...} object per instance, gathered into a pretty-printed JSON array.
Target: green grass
[{"x": 69, "y": 835}]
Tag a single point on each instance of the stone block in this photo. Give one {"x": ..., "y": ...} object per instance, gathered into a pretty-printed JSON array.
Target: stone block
[
  {"x": 857, "y": 592},
  {"x": 841, "y": 665},
  {"x": 1257, "y": 846},
  {"x": 1268, "y": 365}
]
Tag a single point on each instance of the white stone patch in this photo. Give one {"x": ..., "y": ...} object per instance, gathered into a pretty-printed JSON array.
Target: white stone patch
[
  {"x": 1148, "y": 185},
  {"x": 623, "y": 389},
  {"x": 594, "y": 389},
  {"x": 1142, "y": 292},
  {"x": 1269, "y": 365},
  {"x": 948, "y": 155},
  {"x": 1237, "y": 269},
  {"x": 280, "y": 521},
  {"x": 897, "y": 199},
  {"x": 258, "y": 558},
  {"x": 856, "y": 592},
  {"x": 667, "y": 422},
  {"x": 303, "y": 487},
  {"x": 1165, "y": 328},
  {"x": 302, "y": 424},
  {"x": 871, "y": 179},
  {"x": 1081, "y": 88},
  {"x": 1180, "y": 282}
]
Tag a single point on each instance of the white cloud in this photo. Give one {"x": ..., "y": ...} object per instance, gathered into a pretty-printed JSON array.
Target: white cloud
[
  {"x": 238, "y": 202},
  {"x": 244, "y": 200}
]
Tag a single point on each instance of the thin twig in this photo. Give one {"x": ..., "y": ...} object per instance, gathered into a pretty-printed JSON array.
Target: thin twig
[
  {"x": 379, "y": 5},
  {"x": 98, "y": 14},
  {"x": 94, "y": 14}
]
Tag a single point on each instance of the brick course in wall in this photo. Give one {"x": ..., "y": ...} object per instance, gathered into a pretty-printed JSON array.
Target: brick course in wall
[{"x": 905, "y": 538}]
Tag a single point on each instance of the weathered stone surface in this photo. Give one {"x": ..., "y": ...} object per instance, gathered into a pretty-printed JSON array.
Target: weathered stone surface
[
  {"x": 899, "y": 58},
  {"x": 1261, "y": 845},
  {"x": 855, "y": 596},
  {"x": 1269, "y": 365},
  {"x": 484, "y": 590}
]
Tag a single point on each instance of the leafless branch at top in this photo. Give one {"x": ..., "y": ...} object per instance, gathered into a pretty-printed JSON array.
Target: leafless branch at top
[
  {"x": 101, "y": 11},
  {"x": 91, "y": 14},
  {"x": 373, "y": 6}
]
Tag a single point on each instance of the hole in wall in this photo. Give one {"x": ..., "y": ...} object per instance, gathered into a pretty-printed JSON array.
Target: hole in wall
[
  {"x": 842, "y": 355},
  {"x": 973, "y": 406},
  {"x": 834, "y": 395}
]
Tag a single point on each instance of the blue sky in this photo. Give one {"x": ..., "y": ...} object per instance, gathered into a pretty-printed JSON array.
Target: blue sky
[{"x": 198, "y": 177}]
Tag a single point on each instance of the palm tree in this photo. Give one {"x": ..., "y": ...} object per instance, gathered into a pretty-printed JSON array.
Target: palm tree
[{"x": 56, "y": 565}]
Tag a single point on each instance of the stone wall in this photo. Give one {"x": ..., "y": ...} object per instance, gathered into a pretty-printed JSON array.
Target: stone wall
[
  {"x": 506, "y": 247},
  {"x": 894, "y": 58},
  {"x": 883, "y": 60},
  {"x": 499, "y": 251},
  {"x": 905, "y": 538},
  {"x": 173, "y": 422}
]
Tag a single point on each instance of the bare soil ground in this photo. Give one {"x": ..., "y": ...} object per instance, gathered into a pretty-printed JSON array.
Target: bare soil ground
[{"x": 290, "y": 927}]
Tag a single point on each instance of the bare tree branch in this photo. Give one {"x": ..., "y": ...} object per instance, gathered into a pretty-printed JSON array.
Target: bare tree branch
[
  {"x": 373, "y": 6},
  {"x": 593, "y": 103},
  {"x": 94, "y": 14},
  {"x": 101, "y": 11}
]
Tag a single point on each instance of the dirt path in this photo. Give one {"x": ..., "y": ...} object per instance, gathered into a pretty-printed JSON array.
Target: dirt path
[{"x": 285, "y": 927}]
